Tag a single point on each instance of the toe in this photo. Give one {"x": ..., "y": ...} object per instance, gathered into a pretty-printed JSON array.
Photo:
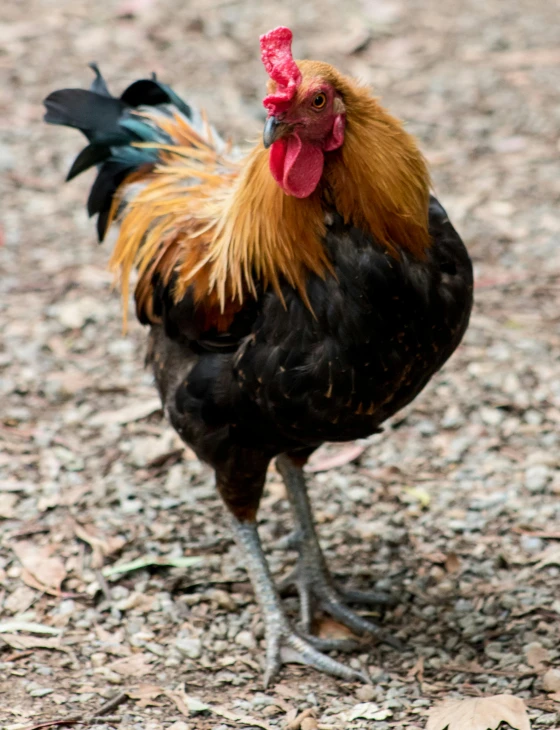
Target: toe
[
  {"x": 304, "y": 653},
  {"x": 369, "y": 598},
  {"x": 358, "y": 624},
  {"x": 344, "y": 645}
]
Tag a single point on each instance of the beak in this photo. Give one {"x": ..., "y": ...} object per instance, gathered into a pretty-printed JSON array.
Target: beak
[{"x": 273, "y": 131}]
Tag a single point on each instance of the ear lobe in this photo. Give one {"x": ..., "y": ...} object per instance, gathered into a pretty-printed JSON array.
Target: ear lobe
[{"x": 336, "y": 138}]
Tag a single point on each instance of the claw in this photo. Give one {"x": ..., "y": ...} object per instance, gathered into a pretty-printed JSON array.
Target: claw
[
  {"x": 287, "y": 647},
  {"x": 369, "y": 598},
  {"x": 316, "y": 589},
  {"x": 343, "y": 645}
]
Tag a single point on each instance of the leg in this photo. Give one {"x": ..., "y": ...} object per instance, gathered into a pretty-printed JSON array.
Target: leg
[
  {"x": 313, "y": 580},
  {"x": 240, "y": 481},
  {"x": 279, "y": 634}
]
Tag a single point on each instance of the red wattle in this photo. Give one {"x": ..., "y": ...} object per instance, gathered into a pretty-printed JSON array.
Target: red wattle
[{"x": 296, "y": 166}]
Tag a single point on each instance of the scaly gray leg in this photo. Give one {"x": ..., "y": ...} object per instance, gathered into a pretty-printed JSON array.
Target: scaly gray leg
[
  {"x": 279, "y": 634},
  {"x": 312, "y": 577}
]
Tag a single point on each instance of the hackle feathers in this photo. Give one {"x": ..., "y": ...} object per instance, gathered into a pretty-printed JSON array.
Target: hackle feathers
[{"x": 221, "y": 229}]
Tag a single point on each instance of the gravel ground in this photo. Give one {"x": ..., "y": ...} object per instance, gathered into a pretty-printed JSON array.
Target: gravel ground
[{"x": 455, "y": 508}]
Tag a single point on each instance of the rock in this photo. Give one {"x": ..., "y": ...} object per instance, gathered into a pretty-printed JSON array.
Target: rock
[
  {"x": 246, "y": 639},
  {"x": 7, "y": 158},
  {"x": 537, "y": 477},
  {"x": 75, "y": 313},
  {"x": 191, "y": 647},
  {"x": 366, "y": 693}
]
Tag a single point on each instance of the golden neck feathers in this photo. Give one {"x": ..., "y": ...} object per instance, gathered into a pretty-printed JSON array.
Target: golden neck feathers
[{"x": 197, "y": 220}]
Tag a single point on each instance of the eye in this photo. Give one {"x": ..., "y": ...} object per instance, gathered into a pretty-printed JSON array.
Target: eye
[{"x": 319, "y": 101}]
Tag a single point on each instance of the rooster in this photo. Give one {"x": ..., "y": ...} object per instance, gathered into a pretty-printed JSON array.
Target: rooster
[{"x": 301, "y": 294}]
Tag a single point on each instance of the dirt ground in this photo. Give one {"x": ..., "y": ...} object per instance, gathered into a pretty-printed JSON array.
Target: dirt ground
[{"x": 454, "y": 509}]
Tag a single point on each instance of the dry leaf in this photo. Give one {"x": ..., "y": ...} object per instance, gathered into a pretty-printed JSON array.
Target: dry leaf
[
  {"x": 328, "y": 628},
  {"x": 417, "y": 671},
  {"x": 7, "y": 504},
  {"x": 485, "y": 713},
  {"x": 367, "y": 711},
  {"x": 20, "y": 600},
  {"x": 145, "y": 694},
  {"x": 536, "y": 655},
  {"x": 128, "y": 414},
  {"x": 30, "y": 580},
  {"x": 452, "y": 563},
  {"x": 38, "y": 560},
  {"x": 550, "y": 556},
  {"x": 551, "y": 680},
  {"x": 7, "y": 627},
  {"x": 337, "y": 456},
  {"x": 188, "y": 706},
  {"x": 295, "y": 722},
  {"x": 31, "y": 642},
  {"x": 309, "y": 723},
  {"x": 101, "y": 545},
  {"x": 136, "y": 665}
]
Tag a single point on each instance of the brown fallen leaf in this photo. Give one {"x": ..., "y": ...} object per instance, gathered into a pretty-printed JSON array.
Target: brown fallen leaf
[
  {"x": 452, "y": 563},
  {"x": 128, "y": 414},
  {"x": 146, "y": 694},
  {"x": 7, "y": 506},
  {"x": 550, "y": 556},
  {"x": 38, "y": 560},
  {"x": 484, "y": 713},
  {"x": 188, "y": 705},
  {"x": 417, "y": 671},
  {"x": 310, "y": 723},
  {"x": 17, "y": 641},
  {"x": 536, "y": 656},
  {"x": 30, "y": 580},
  {"x": 136, "y": 665},
  {"x": 338, "y": 456},
  {"x": 101, "y": 545},
  {"x": 328, "y": 628},
  {"x": 551, "y": 680}
]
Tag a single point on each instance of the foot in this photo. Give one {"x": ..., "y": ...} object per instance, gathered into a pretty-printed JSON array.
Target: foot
[
  {"x": 317, "y": 590},
  {"x": 283, "y": 644},
  {"x": 312, "y": 578},
  {"x": 286, "y": 646}
]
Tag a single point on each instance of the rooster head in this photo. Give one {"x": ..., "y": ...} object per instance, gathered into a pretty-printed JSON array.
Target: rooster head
[{"x": 306, "y": 115}]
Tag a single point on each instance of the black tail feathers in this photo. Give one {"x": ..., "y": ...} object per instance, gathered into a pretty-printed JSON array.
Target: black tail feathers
[{"x": 111, "y": 127}]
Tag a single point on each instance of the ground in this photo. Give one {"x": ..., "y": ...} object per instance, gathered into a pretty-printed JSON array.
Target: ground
[{"x": 454, "y": 509}]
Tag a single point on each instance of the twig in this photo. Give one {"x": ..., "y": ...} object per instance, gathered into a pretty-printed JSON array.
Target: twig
[
  {"x": 112, "y": 704},
  {"x": 93, "y": 720},
  {"x": 103, "y": 585},
  {"x": 19, "y": 654},
  {"x": 99, "y": 715},
  {"x": 54, "y": 723},
  {"x": 481, "y": 670},
  {"x": 537, "y": 533}
]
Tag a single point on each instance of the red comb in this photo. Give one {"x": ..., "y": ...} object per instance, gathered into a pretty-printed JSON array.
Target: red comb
[{"x": 276, "y": 54}]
